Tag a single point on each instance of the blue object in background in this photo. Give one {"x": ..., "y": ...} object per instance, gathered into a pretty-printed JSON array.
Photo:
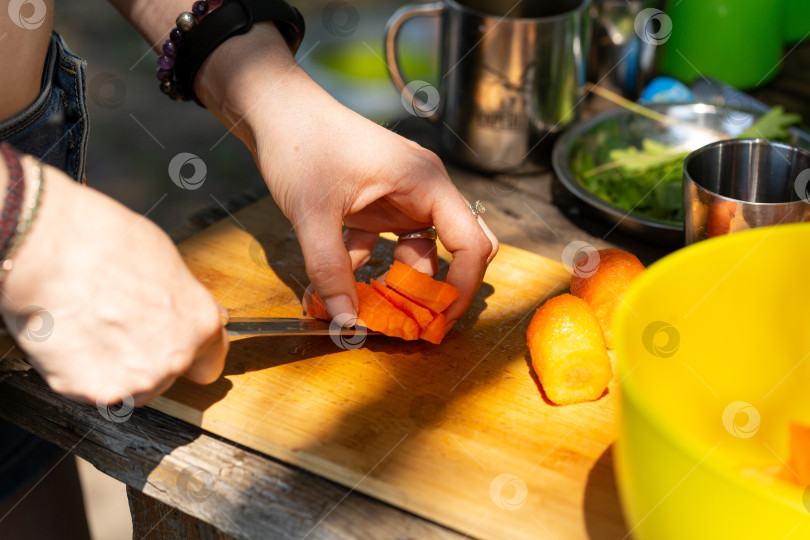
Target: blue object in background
[{"x": 666, "y": 90}]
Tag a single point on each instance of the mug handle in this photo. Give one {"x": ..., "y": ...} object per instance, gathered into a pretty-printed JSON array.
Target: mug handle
[{"x": 391, "y": 35}]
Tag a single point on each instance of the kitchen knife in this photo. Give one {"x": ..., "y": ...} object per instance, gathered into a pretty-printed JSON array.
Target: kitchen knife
[
  {"x": 274, "y": 326},
  {"x": 279, "y": 326}
]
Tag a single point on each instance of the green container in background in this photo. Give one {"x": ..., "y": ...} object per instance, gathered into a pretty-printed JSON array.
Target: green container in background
[
  {"x": 736, "y": 41},
  {"x": 795, "y": 20}
]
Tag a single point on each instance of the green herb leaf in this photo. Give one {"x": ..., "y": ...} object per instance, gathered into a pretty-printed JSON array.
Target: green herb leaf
[{"x": 648, "y": 181}]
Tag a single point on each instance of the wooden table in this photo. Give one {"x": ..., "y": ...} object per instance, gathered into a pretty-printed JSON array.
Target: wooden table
[{"x": 256, "y": 496}]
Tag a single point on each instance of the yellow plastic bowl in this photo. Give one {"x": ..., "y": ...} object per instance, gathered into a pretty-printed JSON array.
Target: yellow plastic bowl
[{"x": 713, "y": 349}]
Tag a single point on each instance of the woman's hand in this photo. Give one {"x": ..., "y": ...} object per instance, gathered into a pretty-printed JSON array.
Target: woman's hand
[
  {"x": 102, "y": 303},
  {"x": 337, "y": 168},
  {"x": 327, "y": 166}
]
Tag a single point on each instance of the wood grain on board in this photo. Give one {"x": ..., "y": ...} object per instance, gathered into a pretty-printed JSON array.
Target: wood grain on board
[{"x": 458, "y": 433}]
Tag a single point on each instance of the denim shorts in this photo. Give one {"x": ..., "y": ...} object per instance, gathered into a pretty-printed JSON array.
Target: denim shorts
[{"x": 53, "y": 128}]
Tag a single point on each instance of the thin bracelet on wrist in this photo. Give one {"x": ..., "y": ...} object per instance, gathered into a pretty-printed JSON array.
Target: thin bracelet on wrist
[
  {"x": 210, "y": 23},
  {"x": 13, "y": 201},
  {"x": 27, "y": 205}
]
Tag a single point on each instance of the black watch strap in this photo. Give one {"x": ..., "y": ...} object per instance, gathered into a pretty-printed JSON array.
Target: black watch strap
[{"x": 233, "y": 18}]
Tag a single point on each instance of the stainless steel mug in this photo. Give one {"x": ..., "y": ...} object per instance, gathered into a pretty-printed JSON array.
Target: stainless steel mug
[
  {"x": 740, "y": 184},
  {"x": 510, "y": 76},
  {"x": 623, "y": 59}
]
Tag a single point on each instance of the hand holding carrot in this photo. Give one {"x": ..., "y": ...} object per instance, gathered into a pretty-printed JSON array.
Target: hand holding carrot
[
  {"x": 385, "y": 183},
  {"x": 327, "y": 167}
]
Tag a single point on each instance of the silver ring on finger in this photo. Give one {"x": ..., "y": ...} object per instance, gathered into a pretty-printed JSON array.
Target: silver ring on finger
[{"x": 477, "y": 208}]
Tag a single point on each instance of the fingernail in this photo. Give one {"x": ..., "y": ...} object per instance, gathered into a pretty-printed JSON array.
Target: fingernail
[
  {"x": 341, "y": 305},
  {"x": 449, "y": 326},
  {"x": 224, "y": 316}
]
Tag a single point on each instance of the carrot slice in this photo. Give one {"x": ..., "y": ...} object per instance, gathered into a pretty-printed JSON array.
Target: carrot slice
[
  {"x": 421, "y": 315},
  {"x": 434, "y": 333},
  {"x": 799, "y": 456},
  {"x": 375, "y": 313},
  {"x": 420, "y": 287},
  {"x": 379, "y": 314}
]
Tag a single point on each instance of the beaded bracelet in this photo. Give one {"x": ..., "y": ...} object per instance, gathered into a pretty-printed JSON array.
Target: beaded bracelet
[
  {"x": 26, "y": 209},
  {"x": 207, "y": 26},
  {"x": 169, "y": 84},
  {"x": 13, "y": 202},
  {"x": 30, "y": 209}
]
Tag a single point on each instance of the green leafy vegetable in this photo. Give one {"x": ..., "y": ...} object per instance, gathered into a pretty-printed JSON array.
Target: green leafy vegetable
[
  {"x": 772, "y": 125},
  {"x": 649, "y": 180}
]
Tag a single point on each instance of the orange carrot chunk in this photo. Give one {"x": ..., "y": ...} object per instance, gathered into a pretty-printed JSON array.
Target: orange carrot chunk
[
  {"x": 317, "y": 309},
  {"x": 799, "y": 454},
  {"x": 420, "y": 287},
  {"x": 434, "y": 333},
  {"x": 602, "y": 281},
  {"x": 421, "y": 315},
  {"x": 375, "y": 313},
  {"x": 568, "y": 350}
]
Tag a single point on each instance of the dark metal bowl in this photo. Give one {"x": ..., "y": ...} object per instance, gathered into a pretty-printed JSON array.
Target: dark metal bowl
[{"x": 621, "y": 128}]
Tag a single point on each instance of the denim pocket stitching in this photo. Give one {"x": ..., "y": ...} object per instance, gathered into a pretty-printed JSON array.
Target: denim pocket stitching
[{"x": 32, "y": 118}]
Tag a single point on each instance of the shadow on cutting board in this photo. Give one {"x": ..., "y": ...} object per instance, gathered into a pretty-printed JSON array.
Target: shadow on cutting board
[
  {"x": 601, "y": 503},
  {"x": 396, "y": 414},
  {"x": 250, "y": 354}
]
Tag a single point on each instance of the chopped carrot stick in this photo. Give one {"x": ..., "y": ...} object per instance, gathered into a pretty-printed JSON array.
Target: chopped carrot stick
[
  {"x": 799, "y": 456},
  {"x": 421, "y": 315},
  {"x": 420, "y": 287},
  {"x": 375, "y": 313},
  {"x": 434, "y": 333},
  {"x": 317, "y": 309}
]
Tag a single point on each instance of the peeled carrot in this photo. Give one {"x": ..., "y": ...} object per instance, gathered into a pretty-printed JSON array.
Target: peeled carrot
[
  {"x": 420, "y": 287},
  {"x": 421, "y": 315},
  {"x": 603, "y": 282},
  {"x": 434, "y": 333},
  {"x": 375, "y": 313},
  {"x": 568, "y": 350}
]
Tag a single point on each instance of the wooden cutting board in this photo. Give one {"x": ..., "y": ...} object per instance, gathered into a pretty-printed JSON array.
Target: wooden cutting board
[{"x": 458, "y": 433}]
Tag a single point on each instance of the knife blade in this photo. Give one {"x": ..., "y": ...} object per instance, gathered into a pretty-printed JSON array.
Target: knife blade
[{"x": 278, "y": 326}]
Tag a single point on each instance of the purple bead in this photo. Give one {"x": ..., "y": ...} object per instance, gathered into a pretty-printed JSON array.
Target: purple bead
[
  {"x": 176, "y": 35},
  {"x": 164, "y": 75},
  {"x": 169, "y": 48},
  {"x": 214, "y": 4},
  {"x": 199, "y": 9},
  {"x": 165, "y": 62}
]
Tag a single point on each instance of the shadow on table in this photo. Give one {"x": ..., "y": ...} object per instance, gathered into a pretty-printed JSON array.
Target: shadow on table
[
  {"x": 601, "y": 504},
  {"x": 587, "y": 219}
]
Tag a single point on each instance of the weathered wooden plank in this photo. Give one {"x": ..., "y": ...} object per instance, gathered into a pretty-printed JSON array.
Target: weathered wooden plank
[
  {"x": 153, "y": 520},
  {"x": 240, "y": 492}
]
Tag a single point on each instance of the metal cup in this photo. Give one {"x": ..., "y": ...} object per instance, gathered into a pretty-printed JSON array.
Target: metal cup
[
  {"x": 740, "y": 184},
  {"x": 623, "y": 57},
  {"x": 510, "y": 77}
]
